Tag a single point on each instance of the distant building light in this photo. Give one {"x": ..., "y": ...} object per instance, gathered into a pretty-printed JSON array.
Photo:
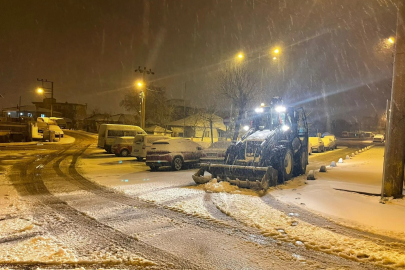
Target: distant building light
[
  {"x": 42, "y": 115},
  {"x": 21, "y": 113},
  {"x": 9, "y": 113}
]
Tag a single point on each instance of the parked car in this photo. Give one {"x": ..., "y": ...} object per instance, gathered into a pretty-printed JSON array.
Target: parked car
[
  {"x": 317, "y": 144},
  {"x": 379, "y": 138},
  {"x": 329, "y": 141},
  {"x": 345, "y": 134},
  {"x": 108, "y": 132},
  {"x": 143, "y": 143},
  {"x": 122, "y": 146},
  {"x": 215, "y": 153},
  {"x": 174, "y": 153},
  {"x": 58, "y": 131}
]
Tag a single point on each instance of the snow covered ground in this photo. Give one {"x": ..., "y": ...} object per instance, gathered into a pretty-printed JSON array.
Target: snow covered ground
[{"x": 176, "y": 191}]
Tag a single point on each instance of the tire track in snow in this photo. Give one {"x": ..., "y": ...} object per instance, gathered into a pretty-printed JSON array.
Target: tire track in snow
[
  {"x": 79, "y": 222},
  {"x": 239, "y": 229}
]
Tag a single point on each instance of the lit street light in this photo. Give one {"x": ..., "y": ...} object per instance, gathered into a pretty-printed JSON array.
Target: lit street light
[
  {"x": 240, "y": 56},
  {"x": 142, "y": 84},
  {"x": 40, "y": 90},
  {"x": 391, "y": 40},
  {"x": 276, "y": 51}
]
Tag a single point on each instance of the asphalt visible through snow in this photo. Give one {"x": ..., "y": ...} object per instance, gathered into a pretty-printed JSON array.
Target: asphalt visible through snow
[{"x": 64, "y": 202}]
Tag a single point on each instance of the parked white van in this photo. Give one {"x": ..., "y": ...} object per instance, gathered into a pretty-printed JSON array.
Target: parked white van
[
  {"x": 142, "y": 144},
  {"x": 108, "y": 132}
]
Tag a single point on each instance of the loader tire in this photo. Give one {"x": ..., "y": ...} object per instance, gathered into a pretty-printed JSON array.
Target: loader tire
[
  {"x": 300, "y": 163},
  {"x": 286, "y": 166}
]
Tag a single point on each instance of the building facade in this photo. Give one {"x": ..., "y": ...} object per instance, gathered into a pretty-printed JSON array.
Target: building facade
[{"x": 74, "y": 111}]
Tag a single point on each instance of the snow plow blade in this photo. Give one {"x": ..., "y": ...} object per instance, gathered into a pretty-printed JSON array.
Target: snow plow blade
[{"x": 241, "y": 176}]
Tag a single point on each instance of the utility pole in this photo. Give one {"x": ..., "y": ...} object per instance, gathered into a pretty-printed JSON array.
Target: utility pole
[
  {"x": 184, "y": 110},
  {"x": 144, "y": 71},
  {"x": 42, "y": 81},
  {"x": 393, "y": 178},
  {"x": 19, "y": 110}
]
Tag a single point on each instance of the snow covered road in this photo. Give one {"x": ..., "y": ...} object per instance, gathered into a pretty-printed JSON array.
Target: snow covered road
[{"x": 80, "y": 207}]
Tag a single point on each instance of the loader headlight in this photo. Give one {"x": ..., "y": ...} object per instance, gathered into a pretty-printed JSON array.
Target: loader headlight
[
  {"x": 285, "y": 128},
  {"x": 246, "y": 128},
  {"x": 259, "y": 110},
  {"x": 280, "y": 109}
]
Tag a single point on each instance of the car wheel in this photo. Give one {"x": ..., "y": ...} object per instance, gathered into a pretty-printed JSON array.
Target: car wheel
[
  {"x": 153, "y": 168},
  {"x": 124, "y": 153},
  {"x": 139, "y": 158},
  {"x": 177, "y": 164}
]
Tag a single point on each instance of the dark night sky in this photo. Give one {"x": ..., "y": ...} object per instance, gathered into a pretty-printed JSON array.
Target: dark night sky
[{"x": 334, "y": 52}]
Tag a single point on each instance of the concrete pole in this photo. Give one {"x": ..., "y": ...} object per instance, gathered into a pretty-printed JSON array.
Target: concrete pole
[
  {"x": 395, "y": 150},
  {"x": 51, "y": 99}
]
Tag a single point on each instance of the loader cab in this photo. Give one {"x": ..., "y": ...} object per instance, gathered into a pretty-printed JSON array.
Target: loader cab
[{"x": 272, "y": 118}]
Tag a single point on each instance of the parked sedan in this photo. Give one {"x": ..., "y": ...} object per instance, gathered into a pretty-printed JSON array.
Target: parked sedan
[
  {"x": 174, "y": 153},
  {"x": 378, "y": 138},
  {"x": 329, "y": 141},
  {"x": 317, "y": 144},
  {"x": 122, "y": 146},
  {"x": 215, "y": 153}
]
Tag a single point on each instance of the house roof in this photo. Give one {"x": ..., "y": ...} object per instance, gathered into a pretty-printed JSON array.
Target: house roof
[
  {"x": 200, "y": 120},
  {"x": 156, "y": 128}
]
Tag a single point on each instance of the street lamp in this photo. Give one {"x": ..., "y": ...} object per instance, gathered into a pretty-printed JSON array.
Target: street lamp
[
  {"x": 391, "y": 40},
  {"x": 240, "y": 56},
  {"x": 142, "y": 84},
  {"x": 40, "y": 90}
]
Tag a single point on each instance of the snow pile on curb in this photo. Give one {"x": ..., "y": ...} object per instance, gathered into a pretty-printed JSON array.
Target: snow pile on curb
[{"x": 280, "y": 226}]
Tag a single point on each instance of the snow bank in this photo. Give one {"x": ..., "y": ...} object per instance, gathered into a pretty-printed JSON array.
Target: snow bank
[
  {"x": 189, "y": 201},
  {"x": 223, "y": 186},
  {"x": 37, "y": 249},
  {"x": 254, "y": 212},
  {"x": 15, "y": 225}
]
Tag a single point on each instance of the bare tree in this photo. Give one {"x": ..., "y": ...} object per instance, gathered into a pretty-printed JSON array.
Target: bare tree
[
  {"x": 158, "y": 111},
  {"x": 239, "y": 84}
]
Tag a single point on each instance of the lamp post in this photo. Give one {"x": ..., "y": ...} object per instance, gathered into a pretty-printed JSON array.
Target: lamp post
[
  {"x": 41, "y": 90},
  {"x": 143, "y": 86}
]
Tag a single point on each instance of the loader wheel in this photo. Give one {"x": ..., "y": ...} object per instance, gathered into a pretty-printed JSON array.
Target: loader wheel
[
  {"x": 301, "y": 162},
  {"x": 177, "y": 164},
  {"x": 286, "y": 167}
]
